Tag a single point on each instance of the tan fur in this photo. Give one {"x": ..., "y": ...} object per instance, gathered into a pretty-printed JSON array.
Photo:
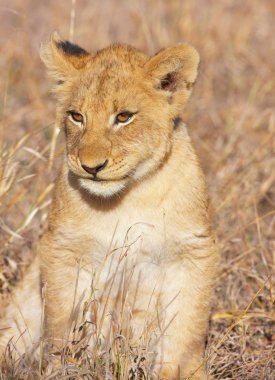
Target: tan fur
[
  {"x": 20, "y": 324},
  {"x": 147, "y": 218}
]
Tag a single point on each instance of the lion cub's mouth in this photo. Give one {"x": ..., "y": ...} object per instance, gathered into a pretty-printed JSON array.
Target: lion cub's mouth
[
  {"x": 95, "y": 178},
  {"x": 98, "y": 179}
]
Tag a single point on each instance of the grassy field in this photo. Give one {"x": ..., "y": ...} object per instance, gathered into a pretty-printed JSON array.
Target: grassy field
[{"x": 230, "y": 117}]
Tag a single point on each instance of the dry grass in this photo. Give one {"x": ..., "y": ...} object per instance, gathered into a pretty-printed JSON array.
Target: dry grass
[{"x": 231, "y": 121}]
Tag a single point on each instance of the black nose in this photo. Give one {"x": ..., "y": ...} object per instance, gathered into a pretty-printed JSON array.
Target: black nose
[{"x": 95, "y": 169}]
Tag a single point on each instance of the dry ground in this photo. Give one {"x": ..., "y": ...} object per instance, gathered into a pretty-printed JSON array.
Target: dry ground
[{"x": 231, "y": 120}]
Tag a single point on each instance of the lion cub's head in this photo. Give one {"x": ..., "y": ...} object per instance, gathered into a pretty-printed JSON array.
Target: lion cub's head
[{"x": 118, "y": 108}]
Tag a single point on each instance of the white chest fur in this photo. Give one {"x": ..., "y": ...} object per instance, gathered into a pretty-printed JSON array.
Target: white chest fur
[{"x": 136, "y": 232}]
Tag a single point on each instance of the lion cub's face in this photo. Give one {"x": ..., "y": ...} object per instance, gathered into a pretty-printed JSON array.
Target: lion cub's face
[{"x": 118, "y": 108}]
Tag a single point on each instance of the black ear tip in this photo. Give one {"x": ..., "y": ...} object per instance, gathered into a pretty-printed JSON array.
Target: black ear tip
[{"x": 70, "y": 48}]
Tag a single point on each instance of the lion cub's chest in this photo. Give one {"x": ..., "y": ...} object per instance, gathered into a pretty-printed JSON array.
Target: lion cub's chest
[
  {"x": 134, "y": 244},
  {"x": 141, "y": 235}
]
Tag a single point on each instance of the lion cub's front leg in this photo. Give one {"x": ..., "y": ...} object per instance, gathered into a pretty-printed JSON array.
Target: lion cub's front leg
[
  {"x": 63, "y": 284},
  {"x": 186, "y": 303}
]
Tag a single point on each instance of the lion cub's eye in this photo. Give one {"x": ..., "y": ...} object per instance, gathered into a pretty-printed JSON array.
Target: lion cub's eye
[
  {"x": 124, "y": 117},
  {"x": 76, "y": 117}
]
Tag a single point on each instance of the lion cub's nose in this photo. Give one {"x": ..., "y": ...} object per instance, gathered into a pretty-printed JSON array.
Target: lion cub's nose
[{"x": 95, "y": 169}]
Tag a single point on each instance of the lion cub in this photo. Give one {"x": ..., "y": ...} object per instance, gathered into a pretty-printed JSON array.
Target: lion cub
[{"x": 130, "y": 202}]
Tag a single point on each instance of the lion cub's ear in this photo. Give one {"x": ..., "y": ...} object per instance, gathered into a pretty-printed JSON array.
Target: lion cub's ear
[
  {"x": 62, "y": 58},
  {"x": 175, "y": 70}
]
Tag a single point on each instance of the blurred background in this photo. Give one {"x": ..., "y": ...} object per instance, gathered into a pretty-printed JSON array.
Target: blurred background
[{"x": 230, "y": 118}]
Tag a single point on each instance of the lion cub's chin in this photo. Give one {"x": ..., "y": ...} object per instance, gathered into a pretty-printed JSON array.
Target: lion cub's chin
[{"x": 105, "y": 189}]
